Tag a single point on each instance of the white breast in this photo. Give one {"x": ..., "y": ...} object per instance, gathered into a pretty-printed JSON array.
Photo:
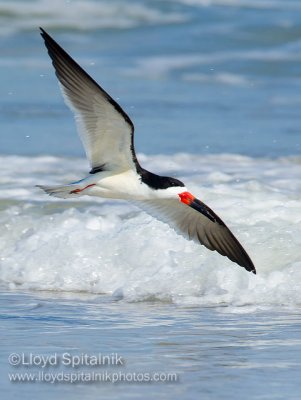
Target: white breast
[{"x": 129, "y": 186}]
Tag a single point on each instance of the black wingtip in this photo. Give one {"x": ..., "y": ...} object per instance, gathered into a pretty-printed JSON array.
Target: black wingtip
[
  {"x": 250, "y": 267},
  {"x": 45, "y": 35}
]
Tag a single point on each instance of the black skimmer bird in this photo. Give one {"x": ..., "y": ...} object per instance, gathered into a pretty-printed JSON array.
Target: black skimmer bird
[{"x": 107, "y": 134}]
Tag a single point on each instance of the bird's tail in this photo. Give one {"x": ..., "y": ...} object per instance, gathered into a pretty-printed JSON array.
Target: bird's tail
[{"x": 63, "y": 191}]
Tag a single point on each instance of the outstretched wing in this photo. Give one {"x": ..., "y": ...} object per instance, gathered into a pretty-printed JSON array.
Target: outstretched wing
[
  {"x": 204, "y": 227},
  {"x": 104, "y": 128}
]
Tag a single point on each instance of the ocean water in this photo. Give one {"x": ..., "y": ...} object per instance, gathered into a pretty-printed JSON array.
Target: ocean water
[{"x": 213, "y": 89}]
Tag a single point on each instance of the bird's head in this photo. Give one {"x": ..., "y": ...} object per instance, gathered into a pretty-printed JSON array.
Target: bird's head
[
  {"x": 164, "y": 187},
  {"x": 170, "y": 188}
]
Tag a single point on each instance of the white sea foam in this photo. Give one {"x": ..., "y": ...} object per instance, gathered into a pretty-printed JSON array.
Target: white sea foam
[
  {"x": 223, "y": 78},
  {"x": 101, "y": 246},
  {"x": 257, "y": 4},
  {"x": 158, "y": 66},
  {"x": 81, "y": 15}
]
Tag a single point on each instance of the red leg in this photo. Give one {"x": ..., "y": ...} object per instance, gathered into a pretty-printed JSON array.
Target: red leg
[{"x": 75, "y": 191}]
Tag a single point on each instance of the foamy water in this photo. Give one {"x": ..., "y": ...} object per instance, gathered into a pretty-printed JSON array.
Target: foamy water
[
  {"x": 100, "y": 246},
  {"x": 81, "y": 15}
]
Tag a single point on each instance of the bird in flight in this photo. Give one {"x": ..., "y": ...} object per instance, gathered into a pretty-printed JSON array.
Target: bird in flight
[{"x": 107, "y": 134}]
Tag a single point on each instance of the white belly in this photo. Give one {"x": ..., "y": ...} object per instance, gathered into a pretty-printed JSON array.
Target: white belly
[{"x": 125, "y": 185}]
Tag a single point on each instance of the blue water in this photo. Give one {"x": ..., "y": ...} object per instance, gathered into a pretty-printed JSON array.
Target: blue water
[
  {"x": 197, "y": 77},
  {"x": 215, "y": 353},
  {"x": 210, "y": 79}
]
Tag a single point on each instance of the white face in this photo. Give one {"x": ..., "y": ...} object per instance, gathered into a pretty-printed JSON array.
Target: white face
[{"x": 170, "y": 193}]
